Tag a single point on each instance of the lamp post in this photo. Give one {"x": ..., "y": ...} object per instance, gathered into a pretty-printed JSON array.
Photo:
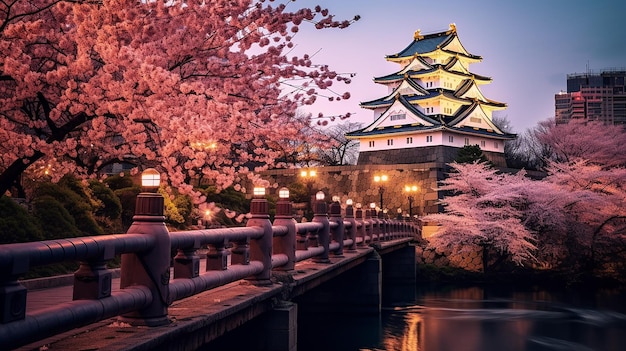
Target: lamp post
[
  {"x": 151, "y": 268},
  {"x": 309, "y": 177},
  {"x": 410, "y": 189},
  {"x": 323, "y": 235},
  {"x": 381, "y": 179},
  {"x": 259, "y": 249},
  {"x": 287, "y": 243},
  {"x": 352, "y": 232}
]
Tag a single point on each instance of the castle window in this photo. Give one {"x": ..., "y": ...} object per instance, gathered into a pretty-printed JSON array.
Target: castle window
[
  {"x": 371, "y": 143},
  {"x": 429, "y": 138},
  {"x": 409, "y": 140},
  {"x": 467, "y": 141},
  {"x": 482, "y": 143},
  {"x": 476, "y": 120},
  {"x": 398, "y": 117},
  {"x": 389, "y": 142},
  {"x": 450, "y": 138},
  {"x": 495, "y": 144}
]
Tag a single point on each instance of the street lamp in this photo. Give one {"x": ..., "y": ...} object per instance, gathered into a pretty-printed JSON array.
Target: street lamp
[
  {"x": 410, "y": 189},
  {"x": 381, "y": 179},
  {"x": 309, "y": 177}
]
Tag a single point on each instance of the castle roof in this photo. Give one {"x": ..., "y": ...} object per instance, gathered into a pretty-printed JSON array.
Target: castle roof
[
  {"x": 433, "y": 92},
  {"x": 446, "y": 41}
]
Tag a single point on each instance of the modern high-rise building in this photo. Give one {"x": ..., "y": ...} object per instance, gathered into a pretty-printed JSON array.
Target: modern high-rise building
[
  {"x": 594, "y": 97},
  {"x": 433, "y": 107}
]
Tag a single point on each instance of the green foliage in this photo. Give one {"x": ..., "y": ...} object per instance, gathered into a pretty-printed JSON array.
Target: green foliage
[
  {"x": 75, "y": 200},
  {"x": 16, "y": 225},
  {"x": 470, "y": 153},
  {"x": 127, "y": 197},
  {"x": 110, "y": 206},
  {"x": 174, "y": 215},
  {"x": 299, "y": 192},
  {"x": 57, "y": 221},
  {"x": 109, "y": 209},
  {"x": 184, "y": 207},
  {"x": 230, "y": 200},
  {"x": 117, "y": 182}
]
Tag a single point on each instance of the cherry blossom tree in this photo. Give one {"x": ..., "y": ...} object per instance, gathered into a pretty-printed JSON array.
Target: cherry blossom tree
[
  {"x": 578, "y": 139},
  {"x": 573, "y": 218},
  {"x": 191, "y": 87},
  {"x": 479, "y": 215}
]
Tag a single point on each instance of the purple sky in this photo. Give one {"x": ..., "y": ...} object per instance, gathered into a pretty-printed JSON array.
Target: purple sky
[{"x": 528, "y": 47}]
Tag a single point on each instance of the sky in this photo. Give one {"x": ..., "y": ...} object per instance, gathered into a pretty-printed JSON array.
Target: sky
[{"x": 528, "y": 47}]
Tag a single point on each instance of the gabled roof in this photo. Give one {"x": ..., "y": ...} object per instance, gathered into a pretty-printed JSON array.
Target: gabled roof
[
  {"x": 469, "y": 90},
  {"x": 470, "y": 120},
  {"x": 424, "y": 44},
  {"x": 400, "y": 75},
  {"x": 476, "y": 118},
  {"x": 400, "y": 103},
  {"x": 388, "y": 100}
]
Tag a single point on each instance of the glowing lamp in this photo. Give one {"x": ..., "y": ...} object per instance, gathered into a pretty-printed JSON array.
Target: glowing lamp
[
  {"x": 372, "y": 205},
  {"x": 283, "y": 193},
  {"x": 258, "y": 191},
  {"x": 399, "y": 210},
  {"x": 349, "y": 202},
  {"x": 319, "y": 196},
  {"x": 150, "y": 178},
  {"x": 359, "y": 205},
  {"x": 336, "y": 198}
]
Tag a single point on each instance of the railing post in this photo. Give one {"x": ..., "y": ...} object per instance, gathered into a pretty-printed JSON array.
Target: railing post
[
  {"x": 187, "y": 262},
  {"x": 150, "y": 268},
  {"x": 12, "y": 299},
  {"x": 217, "y": 257},
  {"x": 352, "y": 232},
  {"x": 323, "y": 235},
  {"x": 286, "y": 244},
  {"x": 261, "y": 248},
  {"x": 92, "y": 280},
  {"x": 363, "y": 229},
  {"x": 339, "y": 230},
  {"x": 382, "y": 226},
  {"x": 369, "y": 218}
]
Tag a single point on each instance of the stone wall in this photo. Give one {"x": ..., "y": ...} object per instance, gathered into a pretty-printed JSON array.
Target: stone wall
[
  {"x": 431, "y": 154},
  {"x": 469, "y": 261}
]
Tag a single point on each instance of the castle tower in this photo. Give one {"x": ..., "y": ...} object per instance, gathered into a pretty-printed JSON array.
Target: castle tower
[{"x": 434, "y": 107}]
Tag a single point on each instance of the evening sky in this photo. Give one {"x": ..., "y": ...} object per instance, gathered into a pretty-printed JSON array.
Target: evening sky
[{"x": 528, "y": 47}]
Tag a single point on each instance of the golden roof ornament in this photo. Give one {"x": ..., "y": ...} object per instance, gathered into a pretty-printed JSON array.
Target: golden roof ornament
[
  {"x": 452, "y": 27},
  {"x": 417, "y": 35}
]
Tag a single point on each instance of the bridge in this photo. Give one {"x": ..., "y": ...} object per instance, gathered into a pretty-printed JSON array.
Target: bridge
[{"x": 166, "y": 301}]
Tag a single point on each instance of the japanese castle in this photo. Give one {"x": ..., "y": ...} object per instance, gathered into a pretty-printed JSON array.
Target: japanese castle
[{"x": 434, "y": 107}]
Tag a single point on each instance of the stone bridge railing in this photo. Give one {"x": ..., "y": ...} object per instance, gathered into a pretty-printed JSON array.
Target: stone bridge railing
[{"x": 146, "y": 288}]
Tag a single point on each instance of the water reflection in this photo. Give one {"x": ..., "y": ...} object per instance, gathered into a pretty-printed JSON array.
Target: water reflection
[{"x": 483, "y": 320}]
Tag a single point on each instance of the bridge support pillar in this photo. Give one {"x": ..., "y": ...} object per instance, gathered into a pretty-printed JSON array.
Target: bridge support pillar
[
  {"x": 369, "y": 299},
  {"x": 399, "y": 276},
  {"x": 357, "y": 291},
  {"x": 282, "y": 327}
]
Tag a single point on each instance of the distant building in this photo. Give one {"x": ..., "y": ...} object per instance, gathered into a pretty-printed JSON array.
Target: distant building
[
  {"x": 593, "y": 97},
  {"x": 433, "y": 108}
]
